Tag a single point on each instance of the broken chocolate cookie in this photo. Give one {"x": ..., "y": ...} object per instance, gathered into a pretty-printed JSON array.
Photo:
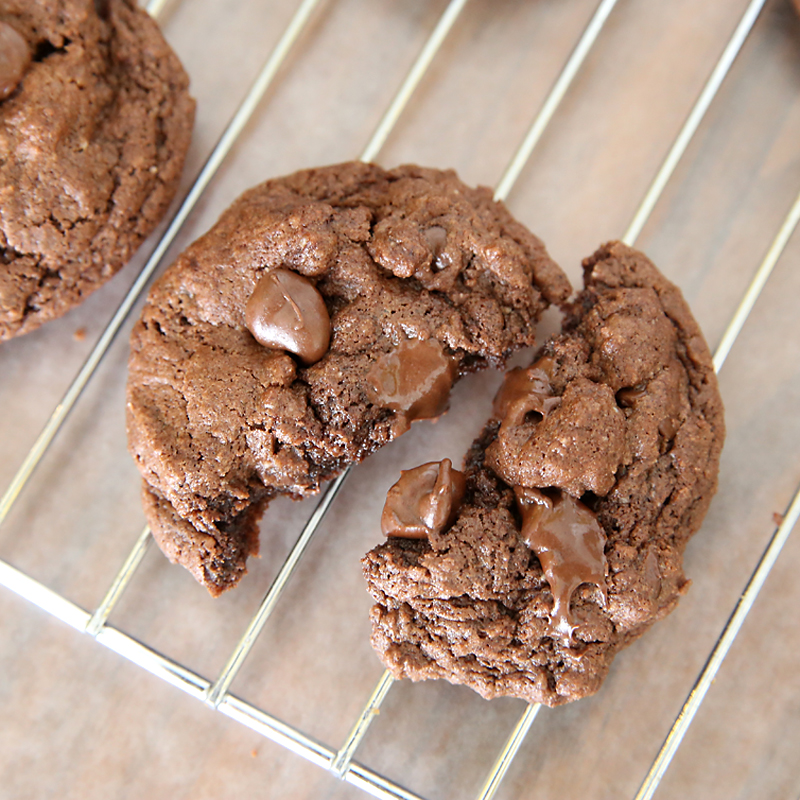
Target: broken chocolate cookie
[
  {"x": 597, "y": 466},
  {"x": 322, "y": 315}
]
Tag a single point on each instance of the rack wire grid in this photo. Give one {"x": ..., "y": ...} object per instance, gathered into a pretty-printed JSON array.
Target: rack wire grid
[{"x": 672, "y": 125}]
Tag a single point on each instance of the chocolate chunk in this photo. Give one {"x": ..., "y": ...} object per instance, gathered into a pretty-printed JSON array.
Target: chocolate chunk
[
  {"x": 628, "y": 398},
  {"x": 92, "y": 145},
  {"x": 15, "y": 56},
  {"x": 524, "y": 391},
  {"x": 286, "y": 312},
  {"x": 532, "y": 591},
  {"x": 569, "y": 542},
  {"x": 219, "y": 424},
  {"x": 414, "y": 379},
  {"x": 436, "y": 237},
  {"x": 424, "y": 501}
]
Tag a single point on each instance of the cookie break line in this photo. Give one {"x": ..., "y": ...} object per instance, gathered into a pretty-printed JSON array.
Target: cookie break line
[{"x": 502, "y": 190}]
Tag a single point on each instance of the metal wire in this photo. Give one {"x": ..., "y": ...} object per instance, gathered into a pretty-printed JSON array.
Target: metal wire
[
  {"x": 245, "y": 644},
  {"x": 729, "y": 633},
  {"x": 195, "y": 685},
  {"x": 770, "y": 555},
  {"x": 507, "y": 754},
  {"x": 155, "y": 7},
  {"x": 693, "y": 121},
  {"x": 562, "y": 84},
  {"x": 759, "y": 281},
  {"x": 372, "y": 708},
  {"x": 413, "y": 78},
  {"x": 120, "y": 582}
]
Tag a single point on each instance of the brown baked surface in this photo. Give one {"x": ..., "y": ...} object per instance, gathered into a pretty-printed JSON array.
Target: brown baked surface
[
  {"x": 219, "y": 424},
  {"x": 92, "y": 143},
  {"x": 471, "y": 604}
]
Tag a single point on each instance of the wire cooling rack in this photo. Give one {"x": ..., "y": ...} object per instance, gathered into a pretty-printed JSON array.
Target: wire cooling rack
[{"x": 724, "y": 284}]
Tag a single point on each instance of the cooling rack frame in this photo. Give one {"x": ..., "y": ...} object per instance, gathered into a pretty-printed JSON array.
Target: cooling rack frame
[{"x": 341, "y": 761}]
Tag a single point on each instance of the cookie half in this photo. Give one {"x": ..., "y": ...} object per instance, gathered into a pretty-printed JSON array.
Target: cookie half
[
  {"x": 580, "y": 495},
  {"x": 322, "y": 314},
  {"x": 95, "y": 121}
]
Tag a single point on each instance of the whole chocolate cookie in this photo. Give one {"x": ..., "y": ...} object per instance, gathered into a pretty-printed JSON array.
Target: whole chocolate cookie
[
  {"x": 597, "y": 466},
  {"x": 322, "y": 314},
  {"x": 95, "y": 121}
]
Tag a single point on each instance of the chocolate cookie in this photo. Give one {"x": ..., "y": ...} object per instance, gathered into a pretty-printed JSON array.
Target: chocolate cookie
[
  {"x": 95, "y": 120},
  {"x": 597, "y": 465},
  {"x": 322, "y": 314}
]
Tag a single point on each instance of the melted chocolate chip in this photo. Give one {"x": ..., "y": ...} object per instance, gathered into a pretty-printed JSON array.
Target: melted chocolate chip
[
  {"x": 286, "y": 312},
  {"x": 436, "y": 237},
  {"x": 15, "y": 56},
  {"x": 425, "y": 500},
  {"x": 524, "y": 391},
  {"x": 628, "y": 398},
  {"x": 569, "y": 543},
  {"x": 414, "y": 379}
]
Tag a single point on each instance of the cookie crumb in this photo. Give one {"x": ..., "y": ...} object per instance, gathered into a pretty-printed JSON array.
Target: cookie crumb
[
  {"x": 79, "y": 335},
  {"x": 777, "y": 518}
]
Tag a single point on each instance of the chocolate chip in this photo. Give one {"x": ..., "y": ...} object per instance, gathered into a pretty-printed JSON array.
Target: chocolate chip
[
  {"x": 286, "y": 312},
  {"x": 525, "y": 392},
  {"x": 102, "y": 8},
  {"x": 425, "y": 500},
  {"x": 436, "y": 237},
  {"x": 569, "y": 543},
  {"x": 414, "y": 379},
  {"x": 629, "y": 396},
  {"x": 15, "y": 56}
]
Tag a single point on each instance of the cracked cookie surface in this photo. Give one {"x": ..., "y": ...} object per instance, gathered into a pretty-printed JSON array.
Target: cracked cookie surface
[
  {"x": 94, "y": 128},
  {"x": 423, "y": 279},
  {"x": 581, "y": 493}
]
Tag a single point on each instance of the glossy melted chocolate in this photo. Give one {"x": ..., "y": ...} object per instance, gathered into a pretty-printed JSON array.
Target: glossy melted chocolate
[
  {"x": 563, "y": 532},
  {"x": 523, "y": 391},
  {"x": 425, "y": 500},
  {"x": 568, "y": 541},
  {"x": 414, "y": 379},
  {"x": 15, "y": 56},
  {"x": 286, "y": 312}
]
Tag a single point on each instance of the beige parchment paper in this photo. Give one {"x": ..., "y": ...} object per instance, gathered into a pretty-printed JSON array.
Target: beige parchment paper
[{"x": 78, "y": 721}]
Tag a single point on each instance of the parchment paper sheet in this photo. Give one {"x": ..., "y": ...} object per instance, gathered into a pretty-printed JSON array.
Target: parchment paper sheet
[{"x": 77, "y": 721}]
